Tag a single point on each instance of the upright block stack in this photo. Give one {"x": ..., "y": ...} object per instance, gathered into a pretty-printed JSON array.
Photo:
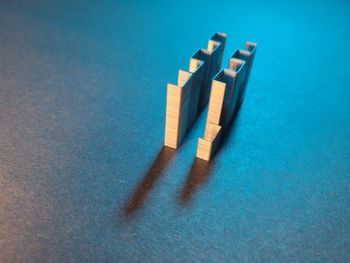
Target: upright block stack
[
  {"x": 227, "y": 92},
  {"x": 191, "y": 93}
]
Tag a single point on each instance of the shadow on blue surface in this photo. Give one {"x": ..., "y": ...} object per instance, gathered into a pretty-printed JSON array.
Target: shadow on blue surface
[
  {"x": 198, "y": 175},
  {"x": 152, "y": 175},
  {"x": 200, "y": 169}
]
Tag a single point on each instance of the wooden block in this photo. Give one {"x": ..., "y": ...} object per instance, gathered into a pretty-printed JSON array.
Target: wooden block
[
  {"x": 184, "y": 98},
  {"x": 226, "y": 94},
  {"x": 222, "y": 92},
  {"x": 212, "y": 57},
  {"x": 222, "y": 103},
  {"x": 212, "y": 132},
  {"x": 216, "y": 102},
  {"x": 209, "y": 144},
  {"x": 176, "y": 103}
]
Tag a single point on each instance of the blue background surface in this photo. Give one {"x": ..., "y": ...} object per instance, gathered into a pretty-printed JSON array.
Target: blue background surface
[{"x": 82, "y": 109}]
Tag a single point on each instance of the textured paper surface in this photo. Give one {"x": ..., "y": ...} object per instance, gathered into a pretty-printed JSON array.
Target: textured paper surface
[{"x": 82, "y": 111}]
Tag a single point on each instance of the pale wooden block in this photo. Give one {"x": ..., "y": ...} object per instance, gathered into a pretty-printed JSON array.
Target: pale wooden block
[
  {"x": 220, "y": 95},
  {"x": 204, "y": 149},
  {"x": 219, "y": 111},
  {"x": 212, "y": 132},
  {"x": 194, "y": 65},
  {"x": 191, "y": 92},
  {"x": 183, "y": 77},
  {"x": 212, "y": 56},
  {"x": 209, "y": 144},
  {"x": 174, "y": 107},
  {"x": 180, "y": 111},
  {"x": 214, "y": 135},
  {"x": 212, "y": 45},
  {"x": 172, "y": 115},
  {"x": 215, "y": 102},
  {"x": 227, "y": 88}
]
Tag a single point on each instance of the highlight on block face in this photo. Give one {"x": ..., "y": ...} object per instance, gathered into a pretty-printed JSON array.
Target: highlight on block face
[
  {"x": 175, "y": 103},
  {"x": 191, "y": 94},
  {"x": 208, "y": 145},
  {"x": 221, "y": 103}
]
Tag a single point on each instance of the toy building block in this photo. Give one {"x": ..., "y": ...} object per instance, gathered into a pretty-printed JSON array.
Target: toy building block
[
  {"x": 212, "y": 57},
  {"x": 176, "y": 103},
  {"x": 226, "y": 95},
  {"x": 222, "y": 102},
  {"x": 184, "y": 99},
  {"x": 208, "y": 145}
]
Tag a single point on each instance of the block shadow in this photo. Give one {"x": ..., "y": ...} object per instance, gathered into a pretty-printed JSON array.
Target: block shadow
[
  {"x": 200, "y": 169},
  {"x": 198, "y": 175},
  {"x": 155, "y": 171}
]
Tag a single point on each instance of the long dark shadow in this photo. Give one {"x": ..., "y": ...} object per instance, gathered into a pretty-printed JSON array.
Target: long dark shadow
[
  {"x": 152, "y": 175},
  {"x": 200, "y": 170},
  {"x": 198, "y": 174}
]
